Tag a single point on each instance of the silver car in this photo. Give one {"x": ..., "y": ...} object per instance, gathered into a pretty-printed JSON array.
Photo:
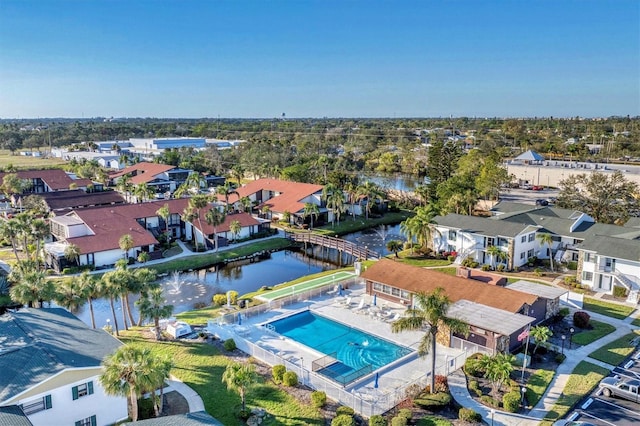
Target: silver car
[{"x": 627, "y": 389}]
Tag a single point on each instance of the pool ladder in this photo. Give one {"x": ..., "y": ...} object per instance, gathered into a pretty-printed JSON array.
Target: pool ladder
[{"x": 270, "y": 327}]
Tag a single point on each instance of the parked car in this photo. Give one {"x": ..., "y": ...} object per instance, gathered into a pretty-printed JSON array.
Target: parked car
[
  {"x": 572, "y": 423},
  {"x": 537, "y": 187},
  {"x": 626, "y": 389},
  {"x": 541, "y": 202},
  {"x": 526, "y": 186}
]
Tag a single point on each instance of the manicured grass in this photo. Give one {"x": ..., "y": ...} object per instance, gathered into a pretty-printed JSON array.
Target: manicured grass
[
  {"x": 636, "y": 322},
  {"x": 202, "y": 260},
  {"x": 584, "y": 378},
  {"x": 537, "y": 385},
  {"x": 416, "y": 260},
  {"x": 616, "y": 352},
  {"x": 600, "y": 329},
  {"x": 612, "y": 310},
  {"x": 449, "y": 271},
  {"x": 201, "y": 366},
  {"x": 348, "y": 225},
  {"x": 172, "y": 251}
]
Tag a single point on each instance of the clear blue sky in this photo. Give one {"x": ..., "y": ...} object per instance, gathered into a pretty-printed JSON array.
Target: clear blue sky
[{"x": 184, "y": 58}]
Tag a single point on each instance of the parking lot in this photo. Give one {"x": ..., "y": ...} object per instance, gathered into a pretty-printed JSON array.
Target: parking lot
[
  {"x": 601, "y": 410},
  {"x": 527, "y": 196}
]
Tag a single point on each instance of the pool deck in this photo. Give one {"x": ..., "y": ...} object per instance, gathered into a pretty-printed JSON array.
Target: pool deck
[{"x": 393, "y": 379}]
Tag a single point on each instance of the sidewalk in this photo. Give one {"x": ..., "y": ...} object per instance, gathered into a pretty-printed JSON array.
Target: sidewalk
[
  {"x": 458, "y": 383},
  {"x": 193, "y": 399}
]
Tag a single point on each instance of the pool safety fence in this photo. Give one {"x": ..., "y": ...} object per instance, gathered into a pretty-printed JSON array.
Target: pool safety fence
[
  {"x": 324, "y": 361},
  {"x": 364, "y": 399}
]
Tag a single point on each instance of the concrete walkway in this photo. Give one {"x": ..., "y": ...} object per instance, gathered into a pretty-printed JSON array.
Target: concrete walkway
[
  {"x": 193, "y": 399},
  {"x": 458, "y": 385}
]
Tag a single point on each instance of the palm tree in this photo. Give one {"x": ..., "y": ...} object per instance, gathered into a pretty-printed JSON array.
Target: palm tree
[
  {"x": 189, "y": 215},
  {"x": 111, "y": 289},
  {"x": 334, "y": 198},
  {"x": 39, "y": 231},
  {"x": 197, "y": 203},
  {"x": 265, "y": 210},
  {"x": 11, "y": 231},
  {"x": 430, "y": 310},
  {"x": 408, "y": 227},
  {"x": 31, "y": 287},
  {"x": 494, "y": 252},
  {"x": 126, "y": 243},
  {"x": 144, "y": 257},
  {"x": 239, "y": 377},
  {"x": 128, "y": 372},
  {"x": 152, "y": 307},
  {"x": 69, "y": 295},
  {"x": 145, "y": 281},
  {"x": 91, "y": 289},
  {"x": 124, "y": 186},
  {"x": 164, "y": 213},
  {"x": 72, "y": 253},
  {"x": 546, "y": 238},
  {"x": 371, "y": 192},
  {"x": 541, "y": 335},
  {"x": 352, "y": 195},
  {"x": 235, "y": 227},
  {"x": 238, "y": 172},
  {"x": 215, "y": 218},
  {"x": 226, "y": 190},
  {"x": 497, "y": 369},
  {"x": 310, "y": 210},
  {"x": 246, "y": 204},
  {"x": 395, "y": 246},
  {"x": 143, "y": 192}
]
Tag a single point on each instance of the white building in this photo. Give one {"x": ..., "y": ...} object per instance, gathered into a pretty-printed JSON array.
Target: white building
[{"x": 50, "y": 363}]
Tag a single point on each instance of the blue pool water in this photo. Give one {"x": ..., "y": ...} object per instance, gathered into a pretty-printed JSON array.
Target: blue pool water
[{"x": 356, "y": 353}]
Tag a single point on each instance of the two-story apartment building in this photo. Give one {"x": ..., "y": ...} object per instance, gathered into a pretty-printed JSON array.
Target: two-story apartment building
[
  {"x": 514, "y": 228},
  {"x": 161, "y": 177},
  {"x": 50, "y": 363}
]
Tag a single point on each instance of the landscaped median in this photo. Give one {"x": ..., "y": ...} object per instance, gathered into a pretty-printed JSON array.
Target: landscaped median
[
  {"x": 584, "y": 378},
  {"x": 617, "y": 351}
]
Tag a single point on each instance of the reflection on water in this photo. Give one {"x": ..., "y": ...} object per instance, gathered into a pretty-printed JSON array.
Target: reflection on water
[
  {"x": 376, "y": 239},
  {"x": 397, "y": 182}
]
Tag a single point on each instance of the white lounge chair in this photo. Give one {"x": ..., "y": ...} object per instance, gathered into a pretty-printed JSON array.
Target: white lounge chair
[
  {"x": 393, "y": 318},
  {"x": 360, "y": 306},
  {"x": 345, "y": 303},
  {"x": 334, "y": 291}
]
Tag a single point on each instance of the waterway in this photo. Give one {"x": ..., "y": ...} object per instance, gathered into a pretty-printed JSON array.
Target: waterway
[{"x": 398, "y": 182}]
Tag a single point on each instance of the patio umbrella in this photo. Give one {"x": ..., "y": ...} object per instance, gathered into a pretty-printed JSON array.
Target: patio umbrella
[
  {"x": 375, "y": 383},
  {"x": 375, "y": 299},
  {"x": 339, "y": 289}
]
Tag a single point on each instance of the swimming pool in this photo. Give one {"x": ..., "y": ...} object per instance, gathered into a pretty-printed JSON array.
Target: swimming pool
[{"x": 352, "y": 353}]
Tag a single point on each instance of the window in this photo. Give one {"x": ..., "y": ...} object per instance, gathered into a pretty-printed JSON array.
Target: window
[
  {"x": 587, "y": 276},
  {"x": 522, "y": 255},
  {"x": 523, "y": 239},
  {"x": 530, "y": 253},
  {"x": 587, "y": 257},
  {"x": 40, "y": 404},
  {"x": 453, "y": 235},
  {"x": 89, "y": 421},
  {"x": 82, "y": 390},
  {"x": 532, "y": 237},
  {"x": 490, "y": 241}
]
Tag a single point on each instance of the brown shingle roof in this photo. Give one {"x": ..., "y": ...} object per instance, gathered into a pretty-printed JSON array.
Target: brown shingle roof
[
  {"x": 56, "y": 179},
  {"x": 289, "y": 198},
  {"x": 77, "y": 198},
  {"x": 144, "y": 172},
  {"x": 415, "y": 279}
]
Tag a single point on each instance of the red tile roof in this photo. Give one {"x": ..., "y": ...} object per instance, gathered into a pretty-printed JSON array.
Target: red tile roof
[
  {"x": 244, "y": 219},
  {"x": 415, "y": 279},
  {"x": 56, "y": 179},
  {"x": 144, "y": 172},
  {"x": 290, "y": 194},
  {"x": 110, "y": 223}
]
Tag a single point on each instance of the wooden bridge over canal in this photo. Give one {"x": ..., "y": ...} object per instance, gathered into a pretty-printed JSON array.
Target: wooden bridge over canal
[{"x": 339, "y": 244}]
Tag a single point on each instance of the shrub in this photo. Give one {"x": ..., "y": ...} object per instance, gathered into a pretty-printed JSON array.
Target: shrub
[
  {"x": 290, "y": 378},
  {"x": 344, "y": 410},
  {"x": 619, "y": 291},
  {"x": 475, "y": 387},
  {"x": 343, "y": 420},
  {"x": 490, "y": 401},
  {"x": 474, "y": 264},
  {"x": 486, "y": 267},
  {"x": 511, "y": 401},
  {"x": 471, "y": 366},
  {"x": 560, "y": 358},
  {"x": 277, "y": 372},
  {"x": 563, "y": 312},
  {"x": 406, "y": 413},
  {"x": 399, "y": 421},
  {"x": 532, "y": 260},
  {"x": 199, "y": 305},
  {"x": 433, "y": 401},
  {"x": 441, "y": 384},
  {"x": 244, "y": 414},
  {"x": 318, "y": 399},
  {"x": 581, "y": 319},
  {"x": 468, "y": 261},
  {"x": 468, "y": 415},
  {"x": 500, "y": 268},
  {"x": 538, "y": 272},
  {"x": 229, "y": 345},
  {"x": 233, "y": 295},
  {"x": 572, "y": 266},
  {"x": 219, "y": 299},
  {"x": 412, "y": 391},
  {"x": 570, "y": 281},
  {"x": 451, "y": 258},
  {"x": 377, "y": 420}
]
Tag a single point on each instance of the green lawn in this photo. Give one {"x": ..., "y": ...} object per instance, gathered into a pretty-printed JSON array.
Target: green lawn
[
  {"x": 636, "y": 322},
  {"x": 348, "y": 225},
  {"x": 600, "y": 329},
  {"x": 24, "y": 162},
  {"x": 416, "y": 260},
  {"x": 201, "y": 366},
  {"x": 584, "y": 378},
  {"x": 537, "y": 385},
  {"x": 616, "y": 352},
  {"x": 602, "y": 307},
  {"x": 433, "y": 421}
]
